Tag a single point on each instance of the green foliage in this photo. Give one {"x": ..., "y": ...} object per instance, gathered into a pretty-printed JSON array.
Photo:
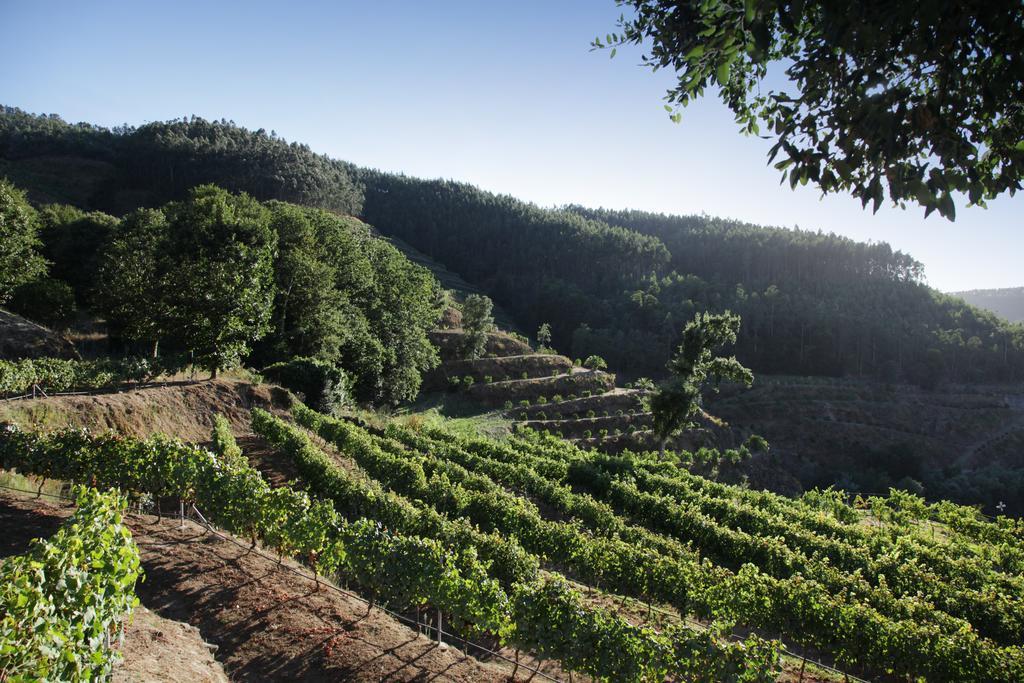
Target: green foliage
[
  {"x": 222, "y": 442},
  {"x": 133, "y": 278},
  {"x": 595, "y": 363},
  {"x": 47, "y": 301},
  {"x": 348, "y": 298},
  {"x": 644, "y": 384},
  {"x": 162, "y": 161},
  {"x": 220, "y": 289},
  {"x": 60, "y": 601},
  {"x": 694, "y": 365},
  {"x": 74, "y": 242},
  {"x": 58, "y": 375},
  {"x": 321, "y": 384},
  {"x": 477, "y": 321},
  {"x": 544, "y": 336},
  {"x": 20, "y": 261},
  {"x": 542, "y": 467},
  {"x": 913, "y": 102}
]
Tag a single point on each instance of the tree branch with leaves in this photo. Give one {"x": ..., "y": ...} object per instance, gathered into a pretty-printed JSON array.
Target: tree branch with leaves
[{"x": 914, "y": 101}]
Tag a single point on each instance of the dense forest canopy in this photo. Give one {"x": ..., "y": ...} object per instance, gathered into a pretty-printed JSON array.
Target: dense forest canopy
[
  {"x": 815, "y": 303},
  {"x": 158, "y": 162},
  {"x": 218, "y": 277},
  {"x": 619, "y": 284}
]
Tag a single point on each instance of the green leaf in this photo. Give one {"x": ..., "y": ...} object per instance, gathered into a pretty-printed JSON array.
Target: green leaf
[
  {"x": 697, "y": 51},
  {"x": 722, "y": 73}
]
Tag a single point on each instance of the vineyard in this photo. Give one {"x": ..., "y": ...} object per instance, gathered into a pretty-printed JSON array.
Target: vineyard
[
  {"x": 63, "y": 599},
  {"x": 529, "y": 543}
]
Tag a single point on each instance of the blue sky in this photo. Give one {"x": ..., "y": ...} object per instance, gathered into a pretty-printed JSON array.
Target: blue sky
[{"x": 505, "y": 95}]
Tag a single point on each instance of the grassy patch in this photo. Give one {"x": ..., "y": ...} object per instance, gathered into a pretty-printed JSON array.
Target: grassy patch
[{"x": 455, "y": 413}]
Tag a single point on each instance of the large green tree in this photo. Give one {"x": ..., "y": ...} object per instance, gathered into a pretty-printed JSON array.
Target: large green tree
[
  {"x": 694, "y": 365},
  {"x": 348, "y": 298},
  {"x": 477, "y": 321},
  {"x": 20, "y": 261},
  {"x": 132, "y": 279},
  {"x": 219, "y": 294},
  {"x": 914, "y": 100},
  {"x": 74, "y": 241}
]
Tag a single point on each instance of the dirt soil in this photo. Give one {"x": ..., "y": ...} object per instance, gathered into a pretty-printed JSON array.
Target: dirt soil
[
  {"x": 184, "y": 409},
  {"x": 268, "y": 623},
  {"x": 158, "y": 649},
  {"x": 22, "y": 338}
]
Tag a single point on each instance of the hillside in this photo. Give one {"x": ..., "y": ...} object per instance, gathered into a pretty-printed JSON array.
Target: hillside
[
  {"x": 960, "y": 443},
  {"x": 578, "y": 543},
  {"x": 619, "y": 284},
  {"x": 1007, "y": 303}
]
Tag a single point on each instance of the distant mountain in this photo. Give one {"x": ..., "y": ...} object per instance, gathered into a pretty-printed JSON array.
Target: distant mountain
[{"x": 1008, "y": 303}]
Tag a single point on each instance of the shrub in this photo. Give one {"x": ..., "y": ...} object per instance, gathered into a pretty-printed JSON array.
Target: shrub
[
  {"x": 468, "y": 381},
  {"x": 324, "y": 386},
  {"x": 603, "y": 433},
  {"x": 555, "y": 372},
  {"x": 577, "y": 363},
  {"x": 591, "y": 413},
  {"x": 525, "y": 375},
  {"x": 454, "y": 383},
  {"x": 573, "y": 397},
  {"x": 644, "y": 384},
  {"x": 542, "y": 400},
  {"x": 541, "y": 415},
  {"x": 525, "y": 403},
  {"x": 586, "y": 393},
  {"x": 488, "y": 379},
  {"x": 222, "y": 441},
  {"x": 557, "y": 398},
  {"x": 595, "y": 363},
  {"x": 508, "y": 405},
  {"x": 586, "y": 434}
]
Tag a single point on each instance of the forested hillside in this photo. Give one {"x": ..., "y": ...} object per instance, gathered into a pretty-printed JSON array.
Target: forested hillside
[
  {"x": 1008, "y": 302},
  {"x": 617, "y": 284},
  {"x": 118, "y": 169},
  {"x": 216, "y": 279},
  {"x": 822, "y": 304}
]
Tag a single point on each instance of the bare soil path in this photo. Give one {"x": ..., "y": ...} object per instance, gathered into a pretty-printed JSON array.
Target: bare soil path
[{"x": 268, "y": 623}]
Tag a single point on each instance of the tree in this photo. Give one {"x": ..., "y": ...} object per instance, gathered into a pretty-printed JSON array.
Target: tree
[
  {"x": 46, "y": 300},
  {"x": 219, "y": 293},
  {"x": 132, "y": 284},
  {"x": 74, "y": 243},
  {"x": 477, "y": 321},
  {"x": 544, "y": 336},
  {"x": 311, "y": 313},
  {"x": 20, "y": 261},
  {"x": 914, "y": 100},
  {"x": 695, "y": 363}
]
